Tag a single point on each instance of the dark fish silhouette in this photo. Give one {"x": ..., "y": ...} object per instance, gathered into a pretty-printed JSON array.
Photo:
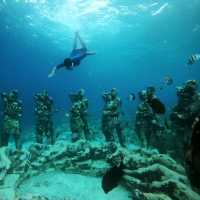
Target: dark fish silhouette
[
  {"x": 157, "y": 106},
  {"x": 112, "y": 178}
]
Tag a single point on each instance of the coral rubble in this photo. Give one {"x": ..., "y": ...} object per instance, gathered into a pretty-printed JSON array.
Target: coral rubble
[{"x": 148, "y": 174}]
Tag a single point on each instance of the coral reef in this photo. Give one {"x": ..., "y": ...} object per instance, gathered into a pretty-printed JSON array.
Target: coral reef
[{"x": 148, "y": 174}]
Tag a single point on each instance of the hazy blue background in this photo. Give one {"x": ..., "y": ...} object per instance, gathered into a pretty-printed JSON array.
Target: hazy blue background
[{"x": 137, "y": 42}]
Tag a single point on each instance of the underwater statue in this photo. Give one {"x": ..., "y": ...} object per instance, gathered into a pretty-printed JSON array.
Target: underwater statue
[
  {"x": 12, "y": 113},
  {"x": 75, "y": 58},
  {"x": 183, "y": 115},
  {"x": 111, "y": 117},
  {"x": 79, "y": 116},
  {"x": 148, "y": 125},
  {"x": 193, "y": 155},
  {"x": 43, "y": 114}
]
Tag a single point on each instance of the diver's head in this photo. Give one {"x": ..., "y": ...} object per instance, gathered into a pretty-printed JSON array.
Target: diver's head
[{"x": 68, "y": 62}]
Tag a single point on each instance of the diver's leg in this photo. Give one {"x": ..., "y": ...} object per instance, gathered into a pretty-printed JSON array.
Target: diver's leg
[
  {"x": 81, "y": 41},
  {"x": 75, "y": 41}
]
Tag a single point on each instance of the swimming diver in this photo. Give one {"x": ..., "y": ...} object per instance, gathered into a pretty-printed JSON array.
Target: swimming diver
[{"x": 75, "y": 58}]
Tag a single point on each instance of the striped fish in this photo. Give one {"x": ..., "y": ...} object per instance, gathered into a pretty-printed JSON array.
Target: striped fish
[{"x": 193, "y": 58}]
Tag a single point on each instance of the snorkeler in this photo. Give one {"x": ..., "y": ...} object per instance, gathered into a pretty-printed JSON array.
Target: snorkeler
[{"x": 75, "y": 58}]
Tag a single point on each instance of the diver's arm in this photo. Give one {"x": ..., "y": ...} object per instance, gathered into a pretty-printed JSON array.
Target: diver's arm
[
  {"x": 52, "y": 73},
  {"x": 54, "y": 69},
  {"x": 60, "y": 66}
]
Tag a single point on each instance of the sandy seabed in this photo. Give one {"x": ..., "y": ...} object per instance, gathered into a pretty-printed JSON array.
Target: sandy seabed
[{"x": 59, "y": 186}]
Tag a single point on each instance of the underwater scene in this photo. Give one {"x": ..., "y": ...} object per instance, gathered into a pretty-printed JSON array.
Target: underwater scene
[{"x": 99, "y": 100}]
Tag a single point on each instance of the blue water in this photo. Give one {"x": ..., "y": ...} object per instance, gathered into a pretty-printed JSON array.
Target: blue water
[{"x": 137, "y": 44}]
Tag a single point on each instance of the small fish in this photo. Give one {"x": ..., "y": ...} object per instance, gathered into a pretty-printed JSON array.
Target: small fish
[
  {"x": 157, "y": 106},
  {"x": 193, "y": 59},
  {"x": 112, "y": 178},
  {"x": 131, "y": 97}
]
